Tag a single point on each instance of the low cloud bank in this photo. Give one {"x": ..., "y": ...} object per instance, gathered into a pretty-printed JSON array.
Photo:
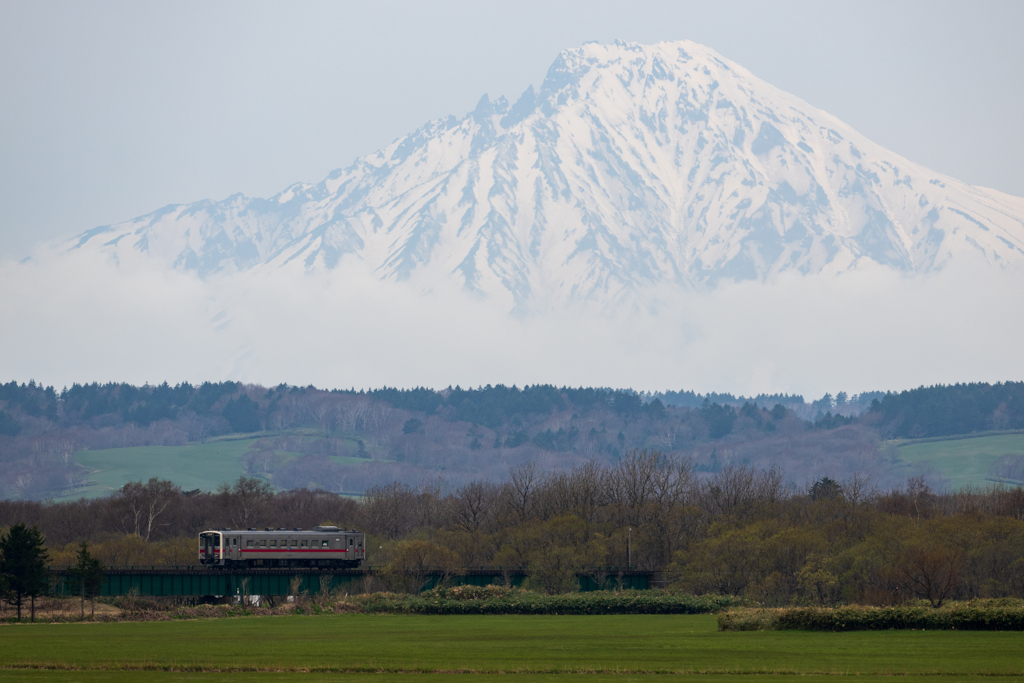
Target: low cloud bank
[{"x": 80, "y": 318}]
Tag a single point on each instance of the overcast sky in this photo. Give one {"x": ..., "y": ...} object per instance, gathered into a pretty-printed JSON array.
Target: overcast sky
[{"x": 111, "y": 110}]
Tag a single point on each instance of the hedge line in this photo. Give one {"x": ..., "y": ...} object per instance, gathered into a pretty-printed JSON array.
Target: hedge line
[
  {"x": 525, "y": 602},
  {"x": 968, "y": 616}
]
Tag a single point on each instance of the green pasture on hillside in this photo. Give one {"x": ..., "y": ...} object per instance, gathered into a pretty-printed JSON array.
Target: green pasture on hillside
[
  {"x": 536, "y": 647},
  {"x": 194, "y": 466},
  {"x": 963, "y": 461},
  {"x": 205, "y": 465}
]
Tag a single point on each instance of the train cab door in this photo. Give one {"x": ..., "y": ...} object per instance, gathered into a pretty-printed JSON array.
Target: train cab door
[{"x": 209, "y": 550}]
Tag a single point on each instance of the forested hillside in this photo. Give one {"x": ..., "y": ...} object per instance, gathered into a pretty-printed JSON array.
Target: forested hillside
[
  {"x": 948, "y": 410},
  {"x": 303, "y": 436}
]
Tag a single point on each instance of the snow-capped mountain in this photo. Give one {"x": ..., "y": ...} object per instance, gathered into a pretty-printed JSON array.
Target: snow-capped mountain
[{"x": 630, "y": 166}]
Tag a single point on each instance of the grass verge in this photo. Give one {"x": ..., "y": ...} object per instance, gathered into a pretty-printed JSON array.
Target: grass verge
[{"x": 456, "y": 600}]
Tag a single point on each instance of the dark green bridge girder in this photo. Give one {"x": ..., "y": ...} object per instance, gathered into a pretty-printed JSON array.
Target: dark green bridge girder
[{"x": 198, "y": 581}]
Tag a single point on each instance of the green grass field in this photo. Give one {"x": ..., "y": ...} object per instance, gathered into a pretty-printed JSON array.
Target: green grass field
[
  {"x": 963, "y": 461},
  {"x": 372, "y": 647},
  {"x": 289, "y": 677},
  {"x": 195, "y": 466}
]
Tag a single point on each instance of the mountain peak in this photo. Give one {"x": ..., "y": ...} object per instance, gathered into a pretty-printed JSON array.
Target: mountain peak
[{"x": 630, "y": 166}]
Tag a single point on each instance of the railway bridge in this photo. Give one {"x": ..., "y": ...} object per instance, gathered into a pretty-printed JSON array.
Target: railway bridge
[{"x": 159, "y": 581}]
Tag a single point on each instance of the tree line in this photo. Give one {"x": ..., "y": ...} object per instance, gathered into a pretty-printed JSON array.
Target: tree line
[
  {"x": 740, "y": 531},
  {"x": 923, "y": 412}
]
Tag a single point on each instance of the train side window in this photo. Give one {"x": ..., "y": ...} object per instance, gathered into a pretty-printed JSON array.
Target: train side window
[
  {"x": 351, "y": 542},
  {"x": 248, "y": 544},
  {"x": 234, "y": 541},
  {"x": 273, "y": 543},
  {"x": 304, "y": 543},
  {"x": 294, "y": 543},
  {"x": 263, "y": 544},
  {"x": 324, "y": 543}
]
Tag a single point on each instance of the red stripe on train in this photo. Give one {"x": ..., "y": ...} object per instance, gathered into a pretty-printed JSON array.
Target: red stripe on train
[
  {"x": 290, "y": 550},
  {"x": 277, "y": 550}
]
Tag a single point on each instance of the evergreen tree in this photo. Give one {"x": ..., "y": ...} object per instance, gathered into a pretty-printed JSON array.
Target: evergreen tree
[
  {"x": 8, "y": 425},
  {"x": 89, "y": 575},
  {"x": 718, "y": 418},
  {"x": 23, "y": 564},
  {"x": 242, "y": 414},
  {"x": 826, "y": 489}
]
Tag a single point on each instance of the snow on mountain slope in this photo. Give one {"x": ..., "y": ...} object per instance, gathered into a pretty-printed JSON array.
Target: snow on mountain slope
[{"x": 630, "y": 166}]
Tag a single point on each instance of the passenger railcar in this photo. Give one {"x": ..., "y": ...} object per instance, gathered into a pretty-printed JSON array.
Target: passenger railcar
[{"x": 322, "y": 546}]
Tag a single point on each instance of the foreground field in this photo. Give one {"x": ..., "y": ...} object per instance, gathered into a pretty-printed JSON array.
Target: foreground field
[
  {"x": 162, "y": 677},
  {"x": 533, "y": 647}
]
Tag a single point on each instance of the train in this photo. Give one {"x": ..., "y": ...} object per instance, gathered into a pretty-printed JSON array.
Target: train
[{"x": 321, "y": 546}]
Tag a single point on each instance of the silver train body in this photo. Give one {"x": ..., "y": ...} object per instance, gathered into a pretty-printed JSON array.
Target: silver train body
[{"x": 322, "y": 546}]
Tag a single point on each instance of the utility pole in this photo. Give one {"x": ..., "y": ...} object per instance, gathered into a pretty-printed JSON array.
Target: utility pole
[{"x": 629, "y": 549}]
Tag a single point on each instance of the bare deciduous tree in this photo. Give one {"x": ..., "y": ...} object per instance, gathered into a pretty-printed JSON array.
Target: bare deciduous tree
[
  {"x": 521, "y": 490},
  {"x": 246, "y": 501},
  {"x": 137, "y": 506},
  {"x": 472, "y": 505},
  {"x": 389, "y": 509}
]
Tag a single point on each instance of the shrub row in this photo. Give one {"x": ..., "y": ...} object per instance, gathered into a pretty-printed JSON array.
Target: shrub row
[
  {"x": 516, "y": 601},
  {"x": 456, "y": 600},
  {"x": 979, "y": 615}
]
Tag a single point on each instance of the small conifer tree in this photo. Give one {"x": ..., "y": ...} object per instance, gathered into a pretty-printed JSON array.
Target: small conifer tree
[
  {"x": 23, "y": 560},
  {"x": 88, "y": 573}
]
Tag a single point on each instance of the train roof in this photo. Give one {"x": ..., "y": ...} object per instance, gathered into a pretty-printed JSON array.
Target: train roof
[{"x": 279, "y": 530}]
